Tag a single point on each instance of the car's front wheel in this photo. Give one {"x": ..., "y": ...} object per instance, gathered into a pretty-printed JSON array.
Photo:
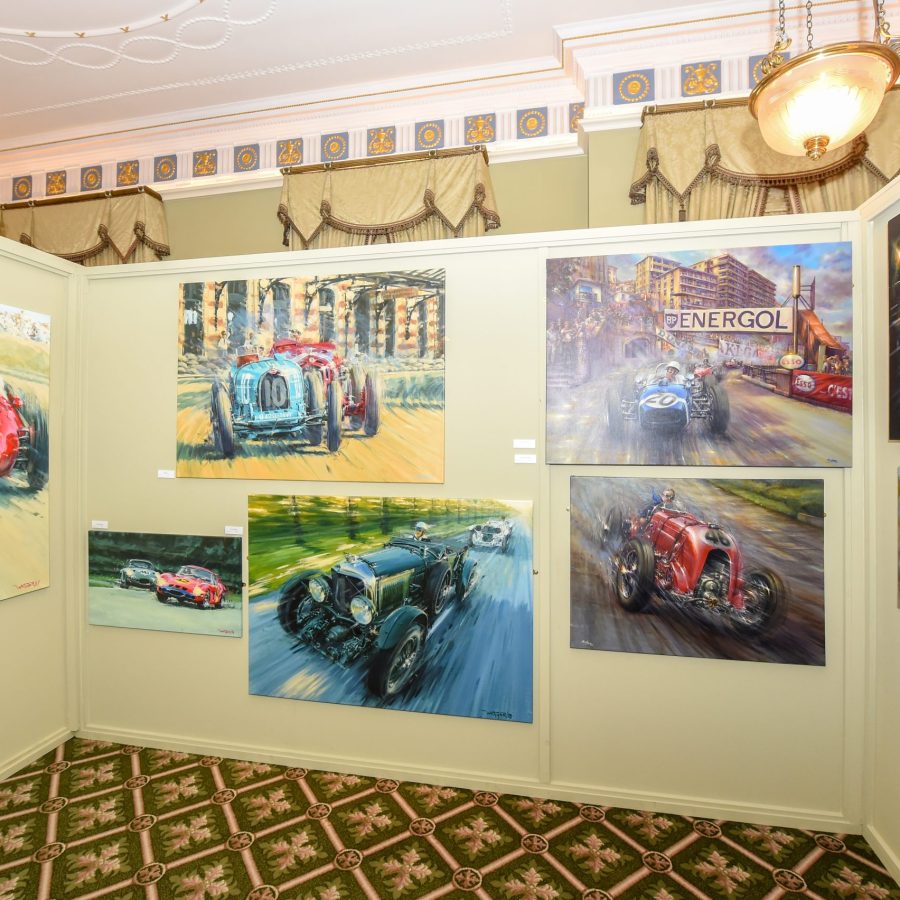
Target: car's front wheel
[
  {"x": 719, "y": 408},
  {"x": 335, "y": 413},
  {"x": 315, "y": 406},
  {"x": 289, "y": 605},
  {"x": 372, "y": 418},
  {"x": 393, "y": 669},
  {"x": 222, "y": 424},
  {"x": 438, "y": 589},
  {"x": 357, "y": 393},
  {"x": 161, "y": 597},
  {"x": 634, "y": 574},
  {"x": 765, "y": 604},
  {"x": 38, "y": 465}
]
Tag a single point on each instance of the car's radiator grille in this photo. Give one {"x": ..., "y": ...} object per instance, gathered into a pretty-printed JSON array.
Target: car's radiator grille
[{"x": 273, "y": 392}]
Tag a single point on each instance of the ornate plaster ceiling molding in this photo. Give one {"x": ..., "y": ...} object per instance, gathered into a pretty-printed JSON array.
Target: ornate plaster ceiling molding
[
  {"x": 79, "y": 53},
  {"x": 169, "y": 13}
]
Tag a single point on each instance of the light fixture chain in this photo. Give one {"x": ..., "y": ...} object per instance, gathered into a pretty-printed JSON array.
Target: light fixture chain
[
  {"x": 882, "y": 28},
  {"x": 809, "y": 34},
  {"x": 780, "y": 35}
]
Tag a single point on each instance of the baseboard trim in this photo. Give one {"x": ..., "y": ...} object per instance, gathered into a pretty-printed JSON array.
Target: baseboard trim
[
  {"x": 27, "y": 757},
  {"x": 888, "y": 857},
  {"x": 816, "y": 819}
]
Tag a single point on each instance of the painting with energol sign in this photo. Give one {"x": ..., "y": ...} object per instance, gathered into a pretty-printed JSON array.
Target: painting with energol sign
[{"x": 701, "y": 357}]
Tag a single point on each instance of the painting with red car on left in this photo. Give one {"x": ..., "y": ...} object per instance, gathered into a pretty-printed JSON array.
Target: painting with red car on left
[{"x": 24, "y": 451}]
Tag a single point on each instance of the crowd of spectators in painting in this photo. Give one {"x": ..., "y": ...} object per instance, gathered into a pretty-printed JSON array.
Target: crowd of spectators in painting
[{"x": 838, "y": 365}]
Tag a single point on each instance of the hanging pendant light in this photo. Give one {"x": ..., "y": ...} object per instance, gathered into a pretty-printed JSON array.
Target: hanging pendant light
[{"x": 822, "y": 99}]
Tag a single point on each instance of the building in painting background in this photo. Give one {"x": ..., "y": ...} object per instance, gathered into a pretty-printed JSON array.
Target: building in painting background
[
  {"x": 604, "y": 311},
  {"x": 385, "y": 315}
]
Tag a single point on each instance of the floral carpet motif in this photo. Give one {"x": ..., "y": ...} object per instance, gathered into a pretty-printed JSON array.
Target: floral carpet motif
[{"x": 93, "y": 819}]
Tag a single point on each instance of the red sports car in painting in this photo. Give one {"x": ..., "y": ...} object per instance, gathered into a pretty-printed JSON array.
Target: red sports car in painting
[
  {"x": 194, "y": 585},
  {"x": 23, "y": 439}
]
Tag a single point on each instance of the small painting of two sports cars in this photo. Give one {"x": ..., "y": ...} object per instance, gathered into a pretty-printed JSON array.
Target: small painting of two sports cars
[{"x": 165, "y": 582}]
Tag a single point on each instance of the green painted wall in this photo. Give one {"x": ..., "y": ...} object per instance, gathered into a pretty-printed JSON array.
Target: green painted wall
[
  {"x": 534, "y": 195},
  {"x": 610, "y": 167},
  {"x": 541, "y": 194},
  {"x": 225, "y": 224}
]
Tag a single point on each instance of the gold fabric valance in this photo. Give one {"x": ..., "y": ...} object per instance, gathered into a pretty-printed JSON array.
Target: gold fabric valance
[
  {"x": 419, "y": 197},
  {"x": 127, "y": 226},
  {"x": 712, "y": 163}
]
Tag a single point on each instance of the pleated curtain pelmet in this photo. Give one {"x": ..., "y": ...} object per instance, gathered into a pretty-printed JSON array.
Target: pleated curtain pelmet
[
  {"x": 712, "y": 163},
  {"x": 417, "y": 197},
  {"x": 127, "y": 226}
]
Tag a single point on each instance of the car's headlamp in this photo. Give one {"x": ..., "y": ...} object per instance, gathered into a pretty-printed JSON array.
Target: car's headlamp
[
  {"x": 362, "y": 610},
  {"x": 198, "y": 592},
  {"x": 318, "y": 590},
  {"x": 129, "y": 572},
  {"x": 160, "y": 581}
]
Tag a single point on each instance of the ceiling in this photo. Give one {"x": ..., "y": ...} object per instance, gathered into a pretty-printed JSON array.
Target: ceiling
[
  {"x": 81, "y": 66},
  {"x": 90, "y": 85}
]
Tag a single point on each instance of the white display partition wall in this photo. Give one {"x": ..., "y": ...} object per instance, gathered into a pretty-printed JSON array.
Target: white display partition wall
[
  {"x": 40, "y": 631},
  {"x": 756, "y": 742},
  {"x": 882, "y": 807}
]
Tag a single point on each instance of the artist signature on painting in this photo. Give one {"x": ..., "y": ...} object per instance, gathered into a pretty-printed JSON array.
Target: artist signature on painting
[
  {"x": 226, "y": 631},
  {"x": 25, "y": 585},
  {"x": 496, "y": 714}
]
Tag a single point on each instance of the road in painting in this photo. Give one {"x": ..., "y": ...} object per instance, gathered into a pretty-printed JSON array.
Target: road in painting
[
  {"x": 332, "y": 378},
  {"x": 738, "y": 357},
  {"x": 24, "y": 451},
  {"x": 477, "y": 648},
  {"x": 773, "y": 526},
  {"x": 165, "y": 582}
]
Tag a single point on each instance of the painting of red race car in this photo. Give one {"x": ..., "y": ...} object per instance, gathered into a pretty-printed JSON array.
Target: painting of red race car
[
  {"x": 716, "y": 568},
  {"x": 194, "y": 585},
  {"x": 665, "y": 552},
  {"x": 23, "y": 439}
]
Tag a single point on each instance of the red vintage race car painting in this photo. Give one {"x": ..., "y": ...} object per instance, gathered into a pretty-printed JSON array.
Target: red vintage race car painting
[
  {"x": 666, "y": 552},
  {"x": 716, "y": 568},
  {"x": 24, "y": 451},
  {"x": 194, "y": 585},
  {"x": 23, "y": 439}
]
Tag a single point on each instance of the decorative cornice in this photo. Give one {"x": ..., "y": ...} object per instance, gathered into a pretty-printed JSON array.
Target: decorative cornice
[{"x": 595, "y": 64}]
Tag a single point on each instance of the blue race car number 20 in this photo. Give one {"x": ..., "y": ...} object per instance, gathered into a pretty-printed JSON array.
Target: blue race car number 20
[{"x": 660, "y": 401}]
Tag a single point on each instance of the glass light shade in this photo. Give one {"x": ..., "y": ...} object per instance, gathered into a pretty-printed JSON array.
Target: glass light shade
[{"x": 823, "y": 98}]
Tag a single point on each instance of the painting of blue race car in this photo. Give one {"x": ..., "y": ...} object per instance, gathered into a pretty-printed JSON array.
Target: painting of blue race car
[
  {"x": 665, "y": 399},
  {"x": 302, "y": 391}
]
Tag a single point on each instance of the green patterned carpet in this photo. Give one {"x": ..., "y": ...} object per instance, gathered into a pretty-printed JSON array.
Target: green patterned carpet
[{"x": 93, "y": 819}]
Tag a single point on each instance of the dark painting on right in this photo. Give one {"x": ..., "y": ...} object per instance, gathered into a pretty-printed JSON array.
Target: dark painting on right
[{"x": 894, "y": 300}]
